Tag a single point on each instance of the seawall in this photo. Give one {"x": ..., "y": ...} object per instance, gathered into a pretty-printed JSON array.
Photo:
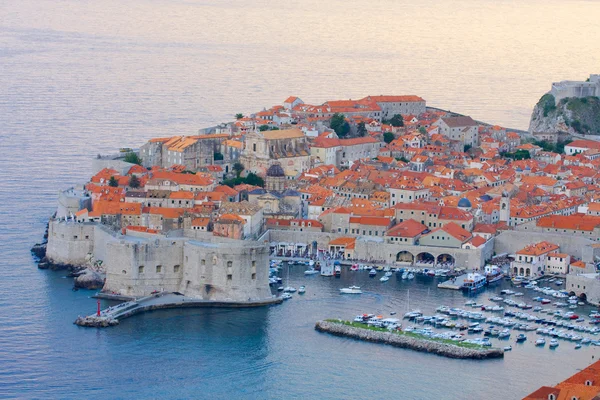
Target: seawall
[{"x": 407, "y": 342}]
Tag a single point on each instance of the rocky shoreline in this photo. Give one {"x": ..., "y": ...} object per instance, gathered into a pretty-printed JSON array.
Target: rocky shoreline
[{"x": 407, "y": 342}]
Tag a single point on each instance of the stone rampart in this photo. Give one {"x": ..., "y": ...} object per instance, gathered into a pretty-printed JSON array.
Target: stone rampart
[
  {"x": 139, "y": 266},
  {"x": 512, "y": 241},
  {"x": 69, "y": 242}
]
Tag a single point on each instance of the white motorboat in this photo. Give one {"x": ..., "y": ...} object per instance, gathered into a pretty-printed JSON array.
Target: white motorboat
[
  {"x": 405, "y": 275},
  {"x": 280, "y": 288},
  {"x": 388, "y": 274},
  {"x": 554, "y": 343},
  {"x": 411, "y": 276},
  {"x": 302, "y": 289},
  {"x": 286, "y": 296},
  {"x": 289, "y": 289},
  {"x": 311, "y": 272},
  {"x": 373, "y": 272},
  {"x": 351, "y": 290},
  {"x": 384, "y": 278},
  {"x": 540, "y": 342}
]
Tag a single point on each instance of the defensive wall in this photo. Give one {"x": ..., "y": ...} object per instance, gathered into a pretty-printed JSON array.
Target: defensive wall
[{"x": 577, "y": 246}]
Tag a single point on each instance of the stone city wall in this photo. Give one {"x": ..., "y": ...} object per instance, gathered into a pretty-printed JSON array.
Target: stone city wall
[
  {"x": 137, "y": 266},
  {"x": 584, "y": 285},
  {"x": 69, "y": 242},
  {"x": 513, "y": 241},
  {"x": 224, "y": 272}
]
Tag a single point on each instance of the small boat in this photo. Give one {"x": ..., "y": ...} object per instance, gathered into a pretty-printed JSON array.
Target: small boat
[
  {"x": 540, "y": 342},
  {"x": 351, "y": 290},
  {"x": 388, "y": 274},
  {"x": 411, "y": 276},
  {"x": 280, "y": 288},
  {"x": 373, "y": 272},
  {"x": 354, "y": 267},
  {"x": 384, "y": 279},
  {"x": 302, "y": 289},
  {"x": 553, "y": 343},
  {"x": 508, "y": 348},
  {"x": 289, "y": 289},
  {"x": 286, "y": 296},
  {"x": 577, "y": 346},
  {"x": 311, "y": 272},
  {"x": 521, "y": 338},
  {"x": 337, "y": 271},
  {"x": 405, "y": 275}
]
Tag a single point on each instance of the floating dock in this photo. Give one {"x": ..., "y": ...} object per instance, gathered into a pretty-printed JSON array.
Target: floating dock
[{"x": 454, "y": 283}]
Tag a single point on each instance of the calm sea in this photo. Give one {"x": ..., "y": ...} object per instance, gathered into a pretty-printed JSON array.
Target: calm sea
[{"x": 79, "y": 78}]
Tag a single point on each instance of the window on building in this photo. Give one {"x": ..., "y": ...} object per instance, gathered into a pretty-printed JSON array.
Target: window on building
[
  {"x": 176, "y": 269},
  {"x": 158, "y": 269},
  {"x": 141, "y": 269}
]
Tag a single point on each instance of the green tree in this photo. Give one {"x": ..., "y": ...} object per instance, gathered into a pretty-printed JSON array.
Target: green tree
[
  {"x": 339, "y": 125},
  {"x": 263, "y": 128},
  {"x": 423, "y": 130},
  {"x": 113, "y": 182},
  {"x": 255, "y": 180},
  {"x": 361, "y": 129},
  {"x": 133, "y": 158},
  {"x": 134, "y": 182},
  {"x": 388, "y": 137},
  {"x": 238, "y": 168},
  {"x": 467, "y": 148},
  {"x": 397, "y": 120},
  {"x": 218, "y": 156},
  {"x": 239, "y": 116}
]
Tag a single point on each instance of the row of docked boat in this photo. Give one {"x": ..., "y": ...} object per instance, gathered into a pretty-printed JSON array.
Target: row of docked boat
[{"x": 378, "y": 321}]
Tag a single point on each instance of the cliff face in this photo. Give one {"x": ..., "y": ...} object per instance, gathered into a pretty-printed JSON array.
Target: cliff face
[{"x": 570, "y": 115}]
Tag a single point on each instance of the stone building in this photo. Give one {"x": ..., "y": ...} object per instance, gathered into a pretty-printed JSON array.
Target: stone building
[
  {"x": 192, "y": 152},
  {"x": 287, "y": 147},
  {"x": 461, "y": 129}
]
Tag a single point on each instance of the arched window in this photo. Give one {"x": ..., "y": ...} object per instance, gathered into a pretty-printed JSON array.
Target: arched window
[{"x": 141, "y": 269}]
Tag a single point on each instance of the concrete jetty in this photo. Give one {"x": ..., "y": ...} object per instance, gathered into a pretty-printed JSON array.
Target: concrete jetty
[
  {"x": 112, "y": 315},
  {"x": 454, "y": 283},
  {"x": 408, "y": 342}
]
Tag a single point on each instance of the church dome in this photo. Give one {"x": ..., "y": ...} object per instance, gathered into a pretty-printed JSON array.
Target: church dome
[
  {"x": 275, "y": 170},
  {"x": 464, "y": 203}
]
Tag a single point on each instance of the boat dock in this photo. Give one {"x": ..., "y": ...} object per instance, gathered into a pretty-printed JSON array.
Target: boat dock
[
  {"x": 454, "y": 283},
  {"x": 111, "y": 315}
]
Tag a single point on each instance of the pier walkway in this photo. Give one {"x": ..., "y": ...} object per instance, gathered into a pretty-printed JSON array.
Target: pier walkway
[
  {"x": 111, "y": 315},
  {"x": 454, "y": 283}
]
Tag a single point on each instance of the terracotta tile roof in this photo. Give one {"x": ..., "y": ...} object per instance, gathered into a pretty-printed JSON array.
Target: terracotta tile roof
[
  {"x": 408, "y": 228},
  {"x": 538, "y": 249},
  {"x": 283, "y": 134}
]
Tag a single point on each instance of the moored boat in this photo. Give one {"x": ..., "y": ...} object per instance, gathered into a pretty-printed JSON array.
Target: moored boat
[
  {"x": 473, "y": 282},
  {"x": 351, "y": 290}
]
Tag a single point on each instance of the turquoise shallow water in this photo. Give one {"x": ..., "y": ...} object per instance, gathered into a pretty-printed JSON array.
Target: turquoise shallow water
[{"x": 79, "y": 78}]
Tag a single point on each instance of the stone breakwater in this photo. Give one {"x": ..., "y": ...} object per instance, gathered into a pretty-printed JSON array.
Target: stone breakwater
[{"x": 407, "y": 342}]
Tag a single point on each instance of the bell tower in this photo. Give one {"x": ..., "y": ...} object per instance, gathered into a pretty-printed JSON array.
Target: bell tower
[{"x": 505, "y": 207}]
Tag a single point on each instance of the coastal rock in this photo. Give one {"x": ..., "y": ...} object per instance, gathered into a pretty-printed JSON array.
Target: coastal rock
[
  {"x": 88, "y": 279},
  {"x": 39, "y": 250},
  {"x": 407, "y": 342},
  {"x": 575, "y": 116}
]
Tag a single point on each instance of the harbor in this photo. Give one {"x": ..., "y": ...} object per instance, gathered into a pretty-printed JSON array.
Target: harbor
[{"x": 508, "y": 314}]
